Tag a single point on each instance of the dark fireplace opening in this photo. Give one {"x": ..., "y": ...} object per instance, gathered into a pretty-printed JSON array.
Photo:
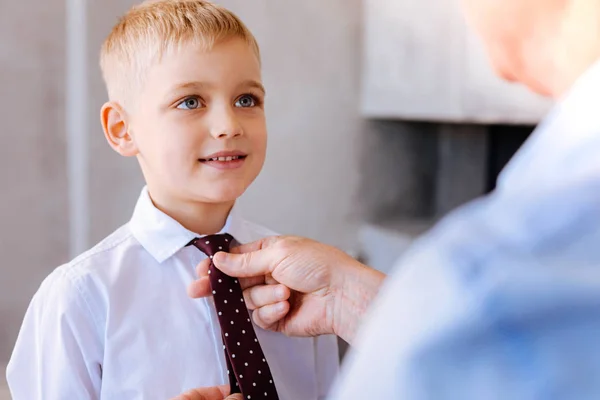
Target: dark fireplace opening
[{"x": 419, "y": 171}]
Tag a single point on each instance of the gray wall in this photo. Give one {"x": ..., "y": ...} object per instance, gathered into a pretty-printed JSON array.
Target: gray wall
[
  {"x": 33, "y": 209},
  {"x": 311, "y": 181}
]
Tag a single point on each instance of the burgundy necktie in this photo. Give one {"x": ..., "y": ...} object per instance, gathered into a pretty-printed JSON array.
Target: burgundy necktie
[{"x": 247, "y": 366}]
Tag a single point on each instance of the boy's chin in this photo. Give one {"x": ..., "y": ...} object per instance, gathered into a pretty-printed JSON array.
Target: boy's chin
[{"x": 219, "y": 195}]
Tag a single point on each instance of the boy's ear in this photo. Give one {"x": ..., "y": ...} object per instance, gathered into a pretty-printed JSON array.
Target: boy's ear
[{"x": 116, "y": 129}]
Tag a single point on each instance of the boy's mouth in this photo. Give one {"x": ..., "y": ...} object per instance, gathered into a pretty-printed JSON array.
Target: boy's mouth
[{"x": 224, "y": 160}]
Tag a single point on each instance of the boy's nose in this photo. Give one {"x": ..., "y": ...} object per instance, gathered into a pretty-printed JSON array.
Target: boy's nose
[{"x": 225, "y": 125}]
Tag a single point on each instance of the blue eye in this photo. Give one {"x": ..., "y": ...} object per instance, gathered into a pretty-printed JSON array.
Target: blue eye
[
  {"x": 191, "y": 103},
  {"x": 246, "y": 101}
]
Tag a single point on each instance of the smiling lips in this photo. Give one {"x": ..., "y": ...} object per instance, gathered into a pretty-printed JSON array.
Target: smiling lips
[{"x": 224, "y": 160}]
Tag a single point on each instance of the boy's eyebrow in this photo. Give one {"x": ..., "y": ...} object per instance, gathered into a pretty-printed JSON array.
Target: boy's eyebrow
[
  {"x": 188, "y": 85},
  {"x": 202, "y": 85},
  {"x": 254, "y": 84}
]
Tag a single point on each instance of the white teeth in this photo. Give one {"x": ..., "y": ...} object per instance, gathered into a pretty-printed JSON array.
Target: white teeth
[{"x": 223, "y": 159}]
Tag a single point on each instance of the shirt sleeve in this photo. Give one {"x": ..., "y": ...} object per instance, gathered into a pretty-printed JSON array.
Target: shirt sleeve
[
  {"x": 500, "y": 301},
  {"x": 58, "y": 351},
  {"x": 327, "y": 363}
]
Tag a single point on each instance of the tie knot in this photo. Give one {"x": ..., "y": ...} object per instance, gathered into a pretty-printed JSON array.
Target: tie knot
[{"x": 211, "y": 245}]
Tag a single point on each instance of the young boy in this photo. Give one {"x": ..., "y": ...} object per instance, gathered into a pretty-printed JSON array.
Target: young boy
[{"x": 186, "y": 100}]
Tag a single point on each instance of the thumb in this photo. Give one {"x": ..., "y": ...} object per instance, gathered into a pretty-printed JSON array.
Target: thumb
[
  {"x": 251, "y": 260},
  {"x": 248, "y": 265},
  {"x": 256, "y": 245},
  {"x": 236, "y": 396}
]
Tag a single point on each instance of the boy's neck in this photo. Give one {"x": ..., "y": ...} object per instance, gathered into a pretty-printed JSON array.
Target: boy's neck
[{"x": 200, "y": 218}]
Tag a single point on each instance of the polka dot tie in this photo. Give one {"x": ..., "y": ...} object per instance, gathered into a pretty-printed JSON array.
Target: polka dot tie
[{"x": 248, "y": 370}]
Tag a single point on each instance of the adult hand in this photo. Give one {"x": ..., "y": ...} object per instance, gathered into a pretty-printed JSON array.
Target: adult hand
[
  {"x": 330, "y": 291},
  {"x": 211, "y": 393}
]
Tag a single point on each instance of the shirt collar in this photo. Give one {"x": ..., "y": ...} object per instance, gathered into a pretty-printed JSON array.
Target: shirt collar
[{"x": 161, "y": 235}]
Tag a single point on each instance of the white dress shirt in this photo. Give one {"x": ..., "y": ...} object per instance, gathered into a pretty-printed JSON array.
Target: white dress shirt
[
  {"x": 117, "y": 323},
  {"x": 502, "y": 299}
]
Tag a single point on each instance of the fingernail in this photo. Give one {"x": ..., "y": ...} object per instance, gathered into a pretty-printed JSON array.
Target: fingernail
[{"x": 280, "y": 307}]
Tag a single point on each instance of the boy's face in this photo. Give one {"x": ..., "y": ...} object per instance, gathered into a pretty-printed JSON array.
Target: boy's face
[{"x": 199, "y": 124}]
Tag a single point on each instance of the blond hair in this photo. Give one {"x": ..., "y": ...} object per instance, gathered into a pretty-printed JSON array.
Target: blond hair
[{"x": 152, "y": 29}]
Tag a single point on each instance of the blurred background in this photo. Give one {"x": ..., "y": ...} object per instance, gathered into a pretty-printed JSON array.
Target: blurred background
[{"x": 383, "y": 116}]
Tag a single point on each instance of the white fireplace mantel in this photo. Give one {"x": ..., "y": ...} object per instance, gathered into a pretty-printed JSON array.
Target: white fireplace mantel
[{"x": 421, "y": 62}]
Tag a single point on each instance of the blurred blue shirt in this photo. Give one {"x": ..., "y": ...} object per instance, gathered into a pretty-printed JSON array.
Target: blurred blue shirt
[{"x": 502, "y": 299}]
